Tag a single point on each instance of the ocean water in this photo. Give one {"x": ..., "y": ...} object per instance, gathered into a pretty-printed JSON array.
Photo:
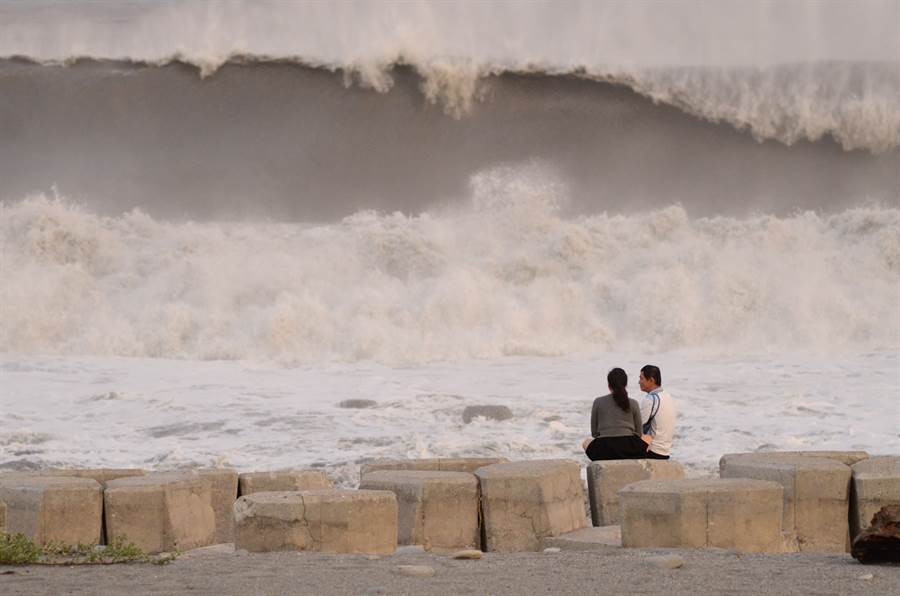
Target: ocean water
[
  {"x": 162, "y": 414},
  {"x": 220, "y": 220}
]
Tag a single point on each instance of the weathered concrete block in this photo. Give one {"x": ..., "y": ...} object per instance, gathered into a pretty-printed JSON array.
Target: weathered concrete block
[
  {"x": 333, "y": 521},
  {"x": 161, "y": 512},
  {"x": 524, "y": 502},
  {"x": 848, "y": 458},
  {"x": 438, "y": 510},
  {"x": 287, "y": 480},
  {"x": 101, "y": 475},
  {"x": 606, "y": 478},
  {"x": 876, "y": 484},
  {"x": 223, "y": 486},
  {"x": 816, "y": 495},
  {"x": 435, "y": 464},
  {"x": 53, "y": 508},
  {"x": 603, "y": 538},
  {"x": 740, "y": 514}
]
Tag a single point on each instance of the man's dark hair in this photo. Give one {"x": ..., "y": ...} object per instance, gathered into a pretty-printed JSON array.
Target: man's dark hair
[{"x": 652, "y": 372}]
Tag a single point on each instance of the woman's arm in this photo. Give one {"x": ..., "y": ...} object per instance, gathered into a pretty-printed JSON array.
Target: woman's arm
[{"x": 636, "y": 417}]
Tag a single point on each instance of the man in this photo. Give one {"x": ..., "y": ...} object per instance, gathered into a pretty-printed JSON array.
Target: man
[{"x": 657, "y": 414}]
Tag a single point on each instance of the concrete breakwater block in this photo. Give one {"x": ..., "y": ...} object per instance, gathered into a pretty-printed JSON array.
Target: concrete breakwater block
[
  {"x": 604, "y": 538},
  {"x": 438, "y": 510},
  {"x": 287, "y": 480},
  {"x": 740, "y": 514},
  {"x": 434, "y": 464},
  {"x": 816, "y": 495},
  {"x": 223, "y": 487},
  {"x": 161, "y": 512},
  {"x": 606, "y": 478},
  {"x": 876, "y": 484},
  {"x": 332, "y": 521},
  {"x": 53, "y": 508},
  {"x": 848, "y": 458},
  {"x": 101, "y": 475},
  {"x": 524, "y": 502}
]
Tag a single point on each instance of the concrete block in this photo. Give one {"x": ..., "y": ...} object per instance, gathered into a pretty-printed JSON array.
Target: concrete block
[
  {"x": 438, "y": 510},
  {"x": 606, "y": 478},
  {"x": 876, "y": 483},
  {"x": 223, "y": 486},
  {"x": 101, "y": 475},
  {"x": 332, "y": 521},
  {"x": 161, "y": 512},
  {"x": 524, "y": 502},
  {"x": 848, "y": 458},
  {"x": 602, "y": 538},
  {"x": 53, "y": 508},
  {"x": 739, "y": 514},
  {"x": 287, "y": 480},
  {"x": 816, "y": 495},
  {"x": 435, "y": 464}
]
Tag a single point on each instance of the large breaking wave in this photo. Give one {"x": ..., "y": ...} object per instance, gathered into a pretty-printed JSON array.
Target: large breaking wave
[
  {"x": 288, "y": 140},
  {"x": 789, "y": 72}
]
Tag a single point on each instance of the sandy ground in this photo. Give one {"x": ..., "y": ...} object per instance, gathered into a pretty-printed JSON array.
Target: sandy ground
[{"x": 221, "y": 570}]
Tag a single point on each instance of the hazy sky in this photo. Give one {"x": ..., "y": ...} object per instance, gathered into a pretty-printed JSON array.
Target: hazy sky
[{"x": 560, "y": 33}]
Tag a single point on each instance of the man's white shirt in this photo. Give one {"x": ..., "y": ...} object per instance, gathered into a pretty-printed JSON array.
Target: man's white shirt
[{"x": 662, "y": 429}]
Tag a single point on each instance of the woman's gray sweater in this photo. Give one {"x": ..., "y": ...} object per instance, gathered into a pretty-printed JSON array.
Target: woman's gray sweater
[{"x": 608, "y": 419}]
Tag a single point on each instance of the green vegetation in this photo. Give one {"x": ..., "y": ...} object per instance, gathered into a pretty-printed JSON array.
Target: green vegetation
[{"x": 16, "y": 549}]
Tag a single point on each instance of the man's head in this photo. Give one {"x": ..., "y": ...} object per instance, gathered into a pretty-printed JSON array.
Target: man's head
[{"x": 650, "y": 378}]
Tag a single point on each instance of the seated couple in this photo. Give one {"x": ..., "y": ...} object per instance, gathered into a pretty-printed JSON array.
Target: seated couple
[{"x": 623, "y": 429}]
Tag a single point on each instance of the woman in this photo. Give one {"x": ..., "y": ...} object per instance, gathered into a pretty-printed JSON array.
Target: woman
[{"x": 615, "y": 423}]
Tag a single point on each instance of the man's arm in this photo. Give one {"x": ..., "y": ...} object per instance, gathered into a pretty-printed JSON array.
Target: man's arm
[
  {"x": 646, "y": 408},
  {"x": 594, "y": 421}
]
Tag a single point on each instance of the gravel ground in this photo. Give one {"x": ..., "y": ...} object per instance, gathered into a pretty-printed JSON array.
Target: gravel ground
[{"x": 220, "y": 570}]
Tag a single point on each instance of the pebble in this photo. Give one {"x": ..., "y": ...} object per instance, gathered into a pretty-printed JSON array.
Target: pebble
[
  {"x": 551, "y": 549},
  {"x": 666, "y": 562},
  {"x": 866, "y": 576},
  {"x": 415, "y": 570},
  {"x": 467, "y": 554}
]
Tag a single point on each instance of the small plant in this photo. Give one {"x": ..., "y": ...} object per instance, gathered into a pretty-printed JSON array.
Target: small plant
[{"x": 17, "y": 549}]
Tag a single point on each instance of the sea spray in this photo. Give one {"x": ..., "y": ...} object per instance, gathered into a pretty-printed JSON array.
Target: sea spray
[{"x": 506, "y": 275}]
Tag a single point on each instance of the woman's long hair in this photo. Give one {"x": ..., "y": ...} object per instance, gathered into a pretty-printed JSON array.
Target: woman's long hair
[{"x": 618, "y": 381}]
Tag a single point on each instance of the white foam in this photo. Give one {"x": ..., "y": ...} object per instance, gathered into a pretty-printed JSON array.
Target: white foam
[
  {"x": 506, "y": 276},
  {"x": 256, "y": 416}
]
